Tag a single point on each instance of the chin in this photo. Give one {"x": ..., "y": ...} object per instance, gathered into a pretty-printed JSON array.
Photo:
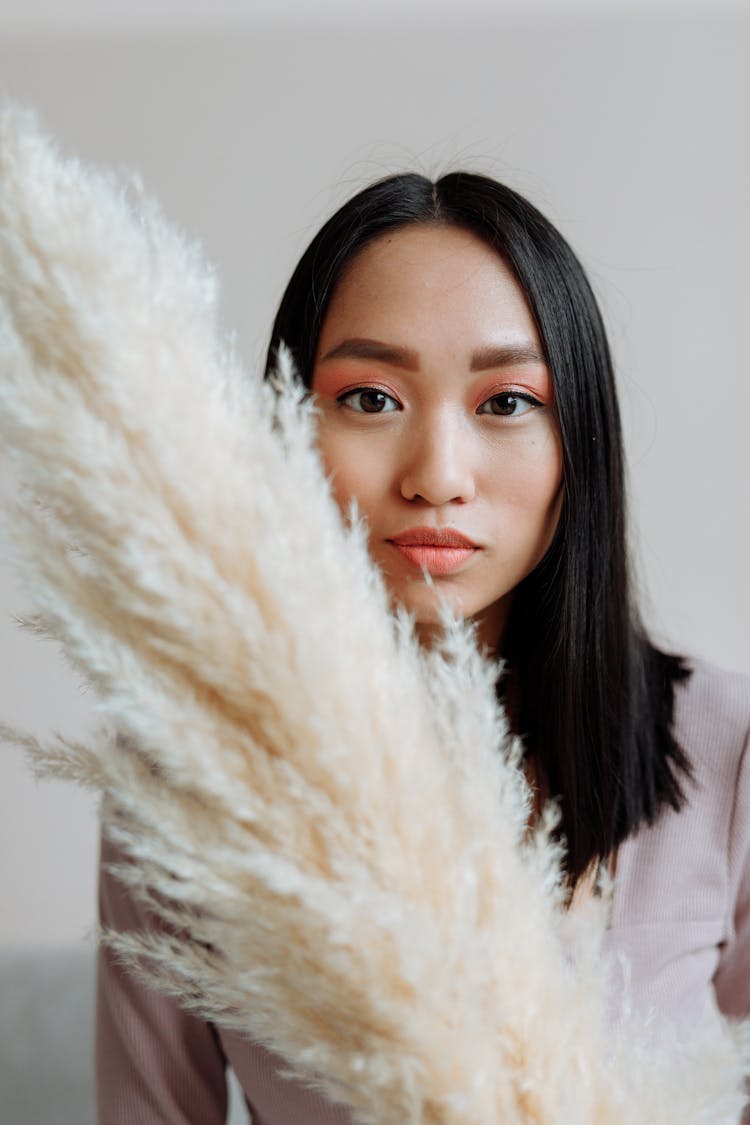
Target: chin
[{"x": 427, "y": 609}]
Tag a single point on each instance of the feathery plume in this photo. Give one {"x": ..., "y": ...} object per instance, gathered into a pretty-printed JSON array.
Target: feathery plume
[{"x": 329, "y": 822}]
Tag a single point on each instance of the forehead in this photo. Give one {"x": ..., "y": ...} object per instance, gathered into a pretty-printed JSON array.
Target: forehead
[{"x": 428, "y": 280}]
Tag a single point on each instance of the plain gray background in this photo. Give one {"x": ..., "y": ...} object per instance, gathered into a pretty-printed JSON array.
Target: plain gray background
[{"x": 627, "y": 126}]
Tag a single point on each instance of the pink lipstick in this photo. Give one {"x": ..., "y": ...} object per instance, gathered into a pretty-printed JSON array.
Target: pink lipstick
[{"x": 438, "y": 550}]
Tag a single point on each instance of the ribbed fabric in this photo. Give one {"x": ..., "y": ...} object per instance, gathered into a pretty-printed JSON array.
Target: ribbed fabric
[
  {"x": 681, "y": 910},
  {"x": 681, "y": 917}
]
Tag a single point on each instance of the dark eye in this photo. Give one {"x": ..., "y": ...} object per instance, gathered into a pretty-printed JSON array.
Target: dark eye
[
  {"x": 369, "y": 400},
  {"x": 508, "y": 405}
]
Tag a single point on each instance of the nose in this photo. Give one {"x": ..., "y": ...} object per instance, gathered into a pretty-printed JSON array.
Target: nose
[{"x": 438, "y": 467}]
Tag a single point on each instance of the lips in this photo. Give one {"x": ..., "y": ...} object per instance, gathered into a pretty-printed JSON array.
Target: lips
[
  {"x": 433, "y": 537},
  {"x": 438, "y": 550}
]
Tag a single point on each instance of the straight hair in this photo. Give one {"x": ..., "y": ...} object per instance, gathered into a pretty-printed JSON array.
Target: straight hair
[{"x": 589, "y": 693}]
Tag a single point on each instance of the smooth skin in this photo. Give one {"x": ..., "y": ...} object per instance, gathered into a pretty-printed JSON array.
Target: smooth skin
[{"x": 437, "y": 411}]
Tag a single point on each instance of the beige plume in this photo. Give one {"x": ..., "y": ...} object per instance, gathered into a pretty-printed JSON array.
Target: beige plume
[{"x": 329, "y": 821}]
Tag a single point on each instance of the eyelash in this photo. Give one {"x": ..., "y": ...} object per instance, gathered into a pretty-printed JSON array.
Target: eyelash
[
  {"x": 518, "y": 396},
  {"x": 342, "y": 400}
]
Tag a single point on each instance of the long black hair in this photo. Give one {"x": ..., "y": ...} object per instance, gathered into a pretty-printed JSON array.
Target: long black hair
[{"x": 591, "y": 695}]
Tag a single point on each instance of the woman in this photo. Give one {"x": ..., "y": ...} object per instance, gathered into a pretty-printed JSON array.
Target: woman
[{"x": 467, "y": 403}]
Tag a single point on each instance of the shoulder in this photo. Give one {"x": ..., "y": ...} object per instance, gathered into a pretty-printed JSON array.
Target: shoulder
[
  {"x": 679, "y": 865},
  {"x": 712, "y": 725},
  {"x": 712, "y": 718},
  {"x": 715, "y": 691},
  {"x": 677, "y": 879}
]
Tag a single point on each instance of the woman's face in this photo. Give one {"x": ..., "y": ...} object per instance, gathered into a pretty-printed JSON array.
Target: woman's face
[{"x": 437, "y": 415}]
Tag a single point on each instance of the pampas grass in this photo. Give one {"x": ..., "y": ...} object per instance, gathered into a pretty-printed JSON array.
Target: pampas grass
[{"x": 330, "y": 822}]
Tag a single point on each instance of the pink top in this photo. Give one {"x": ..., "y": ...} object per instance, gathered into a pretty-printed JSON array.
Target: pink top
[{"x": 681, "y": 914}]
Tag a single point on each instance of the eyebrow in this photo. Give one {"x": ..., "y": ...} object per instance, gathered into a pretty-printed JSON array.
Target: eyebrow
[
  {"x": 506, "y": 355},
  {"x": 494, "y": 355},
  {"x": 374, "y": 349}
]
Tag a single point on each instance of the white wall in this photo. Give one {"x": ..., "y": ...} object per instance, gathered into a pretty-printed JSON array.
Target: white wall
[
  {"x": 84, "y": 16},
  {"x": 630, "y": 132}
]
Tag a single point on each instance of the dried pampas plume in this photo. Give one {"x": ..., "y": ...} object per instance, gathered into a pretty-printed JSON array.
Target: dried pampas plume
[{"x": 330, "y": 822}]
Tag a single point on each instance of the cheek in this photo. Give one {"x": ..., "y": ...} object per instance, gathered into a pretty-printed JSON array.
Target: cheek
[
  {"x": 546, "y": 494},
  {"x": 529, "y": 476},
  {"x": 546, "y": 480},
  {"x": 353, "y": 470}
]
